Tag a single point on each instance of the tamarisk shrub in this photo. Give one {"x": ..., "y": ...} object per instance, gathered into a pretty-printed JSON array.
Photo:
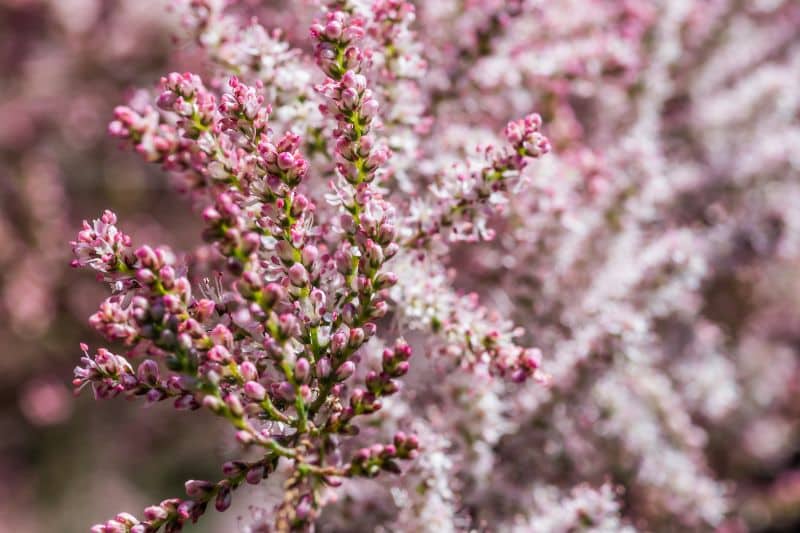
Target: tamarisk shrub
[{"x": 354, "y": 179}]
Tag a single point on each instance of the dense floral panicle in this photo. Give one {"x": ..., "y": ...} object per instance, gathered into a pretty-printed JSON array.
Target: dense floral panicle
[
  {"x": 335, "y": 51},
  {"x": 463, "y": 330},
  {"x": 101, "y": 246},
  {"x": 458, "y": 207},
  {"x": 526, "y": 137}
]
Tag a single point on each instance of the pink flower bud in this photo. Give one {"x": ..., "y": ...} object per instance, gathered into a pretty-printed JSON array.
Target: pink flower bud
[
  {"x": 234, "y": 404},
  {"x": 219, "y": 354},
  {"x": 155, "y": 512},
  {"x": 301, "y": 369},
  {"x": 255, "y": 390},
  {"x": 224, "y": 498},
  {"x": 357, "y": 338},
  {"x": 305, "y": 393},
  {"x": 199, "y": 490},
  {"x": 310, "y": 254},
  {"x": 285, "y": 160},
  {"x": 213, "y": 403},
  {"x": 255, "y": 475},
  {"x": 385, "y": 280},
  {"x": 272, "y": 294},
  {"x": 345, "y": 370},
  {"x": 148, "y": 372},
  {"x": 248, "y": 371},
  {"x": 333, "y": 29},
  {"x": 298, "y": 275},
  {"x": 323, "y": 367},
  {"x": 349, "y": 98}
]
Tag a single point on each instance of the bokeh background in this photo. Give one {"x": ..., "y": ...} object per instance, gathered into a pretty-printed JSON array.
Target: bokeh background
[{"x": 64, "y": 462}]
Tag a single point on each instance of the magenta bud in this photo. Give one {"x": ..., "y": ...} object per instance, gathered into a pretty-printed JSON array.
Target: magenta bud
[
  {"x": 155, "y": 512},
  {"x": 349, "y": 98},
  {"x": 171, "y": 303},
  {"x": 376, "y": 450},
  {"x": 338, "y": 341},
  {"x": 349, "y": 313},
  {"x": 244, "y": 437},
  {"x": 305, "y": 393},
  {"x": 199, "y": 490},
  {"x": 369, "y": 108},
  {"x": 148, "y": 372},
  {"x": 298, "y": 275},
  {"x": 285, "y": 160},
  {"x": 390, "y": 387},
  {"x": 347, "y": 222},
  {"x": 219, "y": 354},
  {"x": 223, "y": 500},
  {"x": 333, "y": 29},
  {"x": 185, "y": 509},
  {"x": 303, "y": 509},
  {"x": 222, "y": 335},
  {"x": 170, "y": 505},
  {"x": 147, "y": 256},
  {"x": 167, "y": 275},
  {"x": 233, "y": 468},
  {"x": 357, "y": 396},
  {"x": 386, "y": 233},
  {"x": 185, "y": 402},
  {"x": 255, "y": 475},
  {"x": 234, "y": 404},
  {"x": 385, "y": 280},
  {"x": 363, "y": 454},
  {"x": 210, "y": 214},
  {"x": 301, "y": 369},
  {"x": 402, "y": 349},
  {"x": 248, "y": 371},
  {"x": 402, "y": 368},
  {"x": 357, "y": 338},
  {"x": 255, "y": 390},
  {"x": 288, "y": 325},
  {"x": 310, "y": 254},
  {"x": 379, "y": 309},
  {"x": 272, "y": 294},
  {"x": 145, "y": 276},
  {"x": 213, "y": 403},
  {"x": 155, "y": 395},
  {"x": 364, "y": 284},
  {"x": 391, "y": 249},
  {"x": 345, "y": 370},
  {"x": 111, "y": 526},
  {"x": 317, "y": 30},
  {"x": 323, "y": 367},
  {"x": 127, "y": 519},
  {"x": 284, "y": 390}
]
